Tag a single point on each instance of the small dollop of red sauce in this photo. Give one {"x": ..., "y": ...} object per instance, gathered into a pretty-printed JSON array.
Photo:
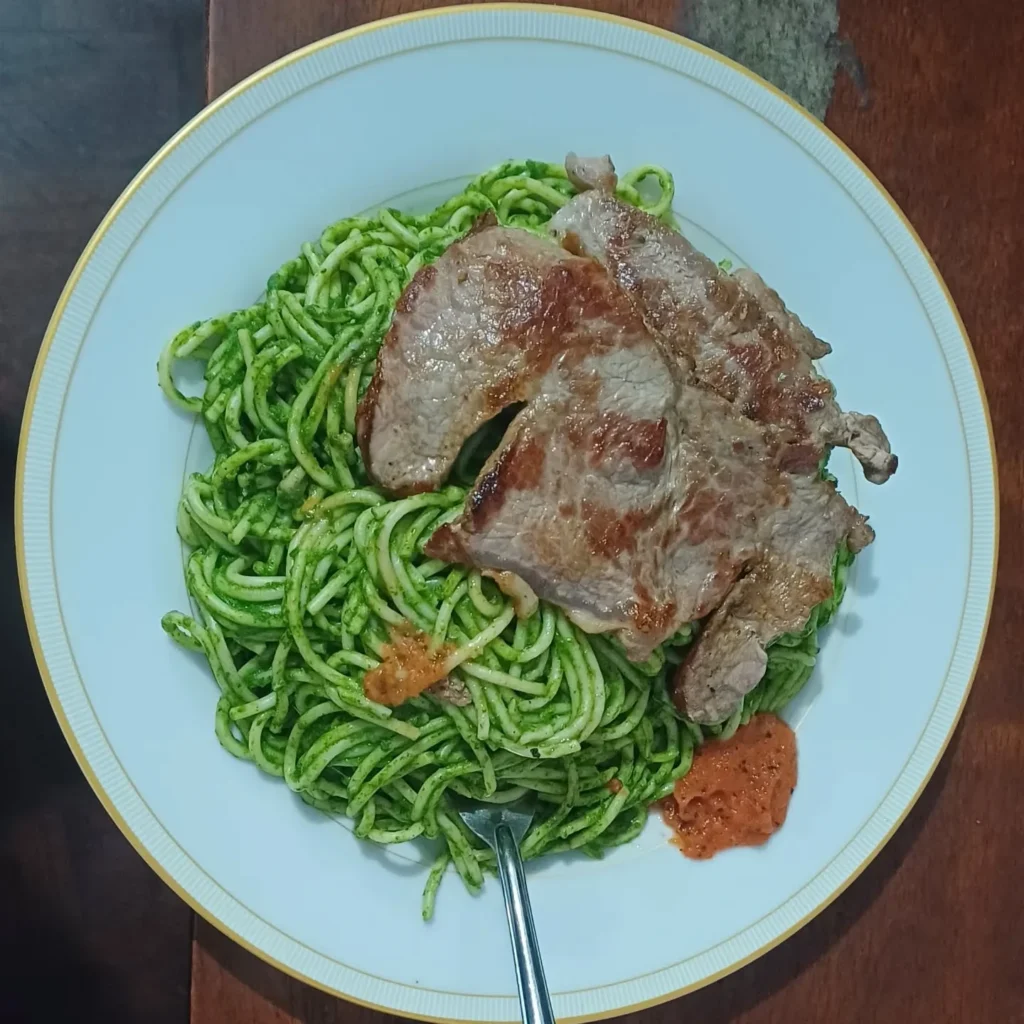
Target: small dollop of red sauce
[
  {"x": 409, "y": 664},
  {"x": 737, "y": 792}
]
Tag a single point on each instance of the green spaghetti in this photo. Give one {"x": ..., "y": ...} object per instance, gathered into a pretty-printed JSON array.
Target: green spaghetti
[{"x": 299, "y": 569}]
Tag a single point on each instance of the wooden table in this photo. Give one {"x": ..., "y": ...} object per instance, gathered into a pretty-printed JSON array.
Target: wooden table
[{"x": 930, "y": 932}]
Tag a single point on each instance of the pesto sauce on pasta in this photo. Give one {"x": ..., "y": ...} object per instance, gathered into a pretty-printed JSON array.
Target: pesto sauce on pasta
[{"x": 299, "y": 568}]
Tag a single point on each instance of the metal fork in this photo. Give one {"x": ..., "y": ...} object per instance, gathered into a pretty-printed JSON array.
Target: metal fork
[{"x": 502, "y": 827}]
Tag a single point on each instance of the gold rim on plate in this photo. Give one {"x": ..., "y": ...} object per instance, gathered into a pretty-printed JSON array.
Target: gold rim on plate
[{"x": 72, "y": 282}]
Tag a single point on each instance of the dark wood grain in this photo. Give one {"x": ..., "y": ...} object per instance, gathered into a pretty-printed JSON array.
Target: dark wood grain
[
  {"x": 930, "y": 932},
  {"x": 88, "y": 90}
]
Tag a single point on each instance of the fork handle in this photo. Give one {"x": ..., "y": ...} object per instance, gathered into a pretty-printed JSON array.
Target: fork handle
[{"x": 534, "y": 999}]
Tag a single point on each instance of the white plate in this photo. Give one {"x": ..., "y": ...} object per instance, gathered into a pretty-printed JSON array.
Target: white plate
[{"x": 350, "y": 123}]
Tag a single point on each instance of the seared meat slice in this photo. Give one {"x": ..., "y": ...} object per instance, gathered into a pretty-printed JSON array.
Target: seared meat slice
[
  {"x": 472, "y": 334},
  {"x": 624, "y": 497},
  {"x": 775, "y": 597},
  {"x": 736, "y": 332},
  {"x": 627, "y": 544}
]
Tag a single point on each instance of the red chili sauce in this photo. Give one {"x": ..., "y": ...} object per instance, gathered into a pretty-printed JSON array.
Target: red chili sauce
[
  {"x": 737, "y": 792},
  {"x": 409, "y": 664}
]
